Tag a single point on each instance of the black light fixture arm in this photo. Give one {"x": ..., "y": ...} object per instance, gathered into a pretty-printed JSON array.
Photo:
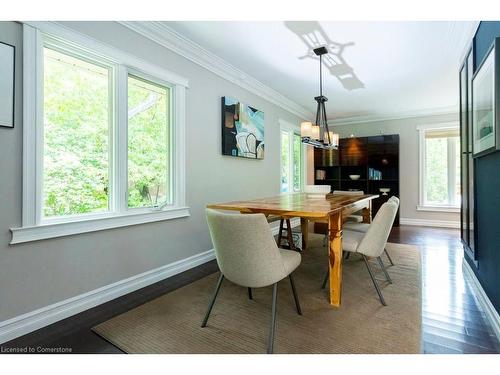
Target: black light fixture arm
[{"x": 325, "y": 139}]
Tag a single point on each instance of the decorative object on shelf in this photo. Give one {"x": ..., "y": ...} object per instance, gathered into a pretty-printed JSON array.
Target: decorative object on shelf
[
  {"x": 320, "y": 174},
  {"x": 384, "y": 191},
  {"x": 317, "y": 191},
  {"x": 318, "y": 134},
  {"x": 7, "y": 84},
  {"x": 354, "y": 177},
  {"x": 486, "y": 103},
  {"x": 242, "y": 130}
]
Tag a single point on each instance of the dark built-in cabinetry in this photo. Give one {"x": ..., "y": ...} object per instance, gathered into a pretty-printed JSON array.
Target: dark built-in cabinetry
[
  {"x": 375, "y": 159},
  {"x": 466, "y": 160}
]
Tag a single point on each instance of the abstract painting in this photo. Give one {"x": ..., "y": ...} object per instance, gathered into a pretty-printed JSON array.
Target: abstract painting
[{"x": 242, "y": 130}]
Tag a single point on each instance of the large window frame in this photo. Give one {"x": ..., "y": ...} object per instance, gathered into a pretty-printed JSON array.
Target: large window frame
[
  {"x": 423, "y": 205},
  {"x": 292, "y": 130},
  {"x": 37, "y": 35}
]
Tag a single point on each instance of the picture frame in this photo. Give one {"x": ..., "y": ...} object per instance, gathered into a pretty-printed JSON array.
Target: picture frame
[
  {"x": 7, "y": 84},
  {"x": 486, "y": 103}
]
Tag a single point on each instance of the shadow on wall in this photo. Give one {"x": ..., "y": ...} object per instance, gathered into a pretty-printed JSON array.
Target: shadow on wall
[{"x": 313, "y": 36}]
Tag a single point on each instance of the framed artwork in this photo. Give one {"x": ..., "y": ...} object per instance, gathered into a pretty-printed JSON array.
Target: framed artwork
[
  {"x": 242, "y": 130},
  {"x": 485, "y": 104},
  {"x": 7, "y": 74}
]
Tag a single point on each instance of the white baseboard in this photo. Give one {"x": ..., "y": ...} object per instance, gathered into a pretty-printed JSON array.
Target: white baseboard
[
  {"x": 29, "y": 322},
  {"x": 430, "y": 223},
  {"x": 483, "y": 299}
]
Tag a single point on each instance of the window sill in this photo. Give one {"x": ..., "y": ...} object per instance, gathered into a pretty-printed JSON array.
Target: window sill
[
  {"x": 45, "y": 231},
  {"x": 439, "y": 209}
]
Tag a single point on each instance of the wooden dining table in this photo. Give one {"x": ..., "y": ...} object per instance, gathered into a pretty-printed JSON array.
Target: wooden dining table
[{"x": 330, "y": 209}]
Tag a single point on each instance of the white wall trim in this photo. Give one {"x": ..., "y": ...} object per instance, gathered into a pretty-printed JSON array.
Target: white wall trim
[
  {"x": 430, "y": 223},
  {"x": 483, "y": 299},
  {"x": 439, "y": 209},
  {"x": 68, "y": 228},
  {"x": 29, "y": 322},
  {"x": 169, "y": 38},
  {"x": 394, "y": 116}
]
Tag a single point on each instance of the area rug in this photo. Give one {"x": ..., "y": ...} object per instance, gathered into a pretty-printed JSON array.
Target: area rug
[{"x": 171, "y": 323}]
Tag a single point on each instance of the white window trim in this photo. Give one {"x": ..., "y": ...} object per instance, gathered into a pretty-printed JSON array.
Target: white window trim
[
  {"x": 288, "y": 127},
  {"x": 421, "y": 168},
  {"x": 33, "y": 228}
]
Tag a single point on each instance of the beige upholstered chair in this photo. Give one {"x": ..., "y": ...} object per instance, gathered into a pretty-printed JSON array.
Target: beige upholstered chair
[
  {"x": 372, "y": 243},
  {"x": 363, "y": 227},
  {"x": 247, "y": 255}
]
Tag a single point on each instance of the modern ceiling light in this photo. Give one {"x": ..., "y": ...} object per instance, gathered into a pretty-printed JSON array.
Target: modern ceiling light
[{"x": 318, "y": 134}]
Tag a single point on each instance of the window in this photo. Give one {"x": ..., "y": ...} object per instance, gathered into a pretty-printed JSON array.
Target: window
[
  {"x": 291, "y": 160},
  {"x": 76, "y": 128},
  {"x": 103, "y": 137},
  {"x": 439, "y": 168},
  {"x": 148, "y": 143}
]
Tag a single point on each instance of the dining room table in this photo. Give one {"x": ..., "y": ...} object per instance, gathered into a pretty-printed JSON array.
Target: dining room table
[{"x": 329, "y": 209}]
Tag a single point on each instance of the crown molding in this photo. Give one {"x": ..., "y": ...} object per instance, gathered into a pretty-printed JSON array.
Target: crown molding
[
  {"x": 394, "y": 116},
  {"x": 169, "y": 38}
]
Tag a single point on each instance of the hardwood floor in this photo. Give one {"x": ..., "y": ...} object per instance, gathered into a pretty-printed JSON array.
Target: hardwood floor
[{"x": 452, "y": 319}]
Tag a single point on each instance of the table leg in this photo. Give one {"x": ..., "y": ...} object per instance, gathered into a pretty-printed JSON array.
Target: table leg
[
  {"x": 335, "y": 255},
  {"x": 304, "y": 227},
  {"x": 367, "y": 213}
]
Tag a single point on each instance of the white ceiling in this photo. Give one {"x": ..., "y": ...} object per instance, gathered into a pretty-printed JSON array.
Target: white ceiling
[{"x": 386, "y": 68}]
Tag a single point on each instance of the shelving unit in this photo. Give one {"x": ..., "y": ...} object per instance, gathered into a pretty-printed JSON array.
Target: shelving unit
[{"x": 356, "y": 156}]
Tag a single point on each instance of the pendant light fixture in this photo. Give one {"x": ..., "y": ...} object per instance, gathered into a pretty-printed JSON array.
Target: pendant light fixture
[{"x": 318, "y": 134}]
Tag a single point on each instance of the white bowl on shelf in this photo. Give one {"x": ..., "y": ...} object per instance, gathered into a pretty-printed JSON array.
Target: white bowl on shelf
[
  {"x": 354, "y": 177},
  {"x": 384, "y": 191}
]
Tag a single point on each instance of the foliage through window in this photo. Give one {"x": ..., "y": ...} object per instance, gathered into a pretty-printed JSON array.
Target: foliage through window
[
  {"x": 291, "y": 162},
  {"x": 441, "y": 170},
  {"x": 76, "y": 135},
  {"x": 148, "y": 143},
  {"x": 81, "y": 116}
]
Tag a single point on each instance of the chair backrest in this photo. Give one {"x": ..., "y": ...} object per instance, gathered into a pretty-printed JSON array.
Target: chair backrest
[
  {"x": 245, "y": 249},
  {"x": 394, "y": 199},
  {"x": 348, "y": 192},
  {"x": 375, "y": 239}
]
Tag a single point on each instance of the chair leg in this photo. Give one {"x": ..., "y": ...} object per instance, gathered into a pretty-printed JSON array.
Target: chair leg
[
  {"x": 374, "y": 281},
  {"x": 273, "y": 320},
  {"x": 323, "y": 286},
  {"x": 388, "y": 257},
  {"x": 387, "y": 277},
  {"x": 205, "y": 320},
  {"x": 250, "y": 293},
  {"x": 295, "y": 296}
]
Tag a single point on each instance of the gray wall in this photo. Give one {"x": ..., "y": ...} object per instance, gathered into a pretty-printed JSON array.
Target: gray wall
[
  {"x": 37, "y": 274},
  {"x": 408, "y": 157}
]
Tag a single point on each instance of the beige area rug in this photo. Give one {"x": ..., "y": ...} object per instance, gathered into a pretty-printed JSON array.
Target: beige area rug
[{"x": 171, "y": 323}]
